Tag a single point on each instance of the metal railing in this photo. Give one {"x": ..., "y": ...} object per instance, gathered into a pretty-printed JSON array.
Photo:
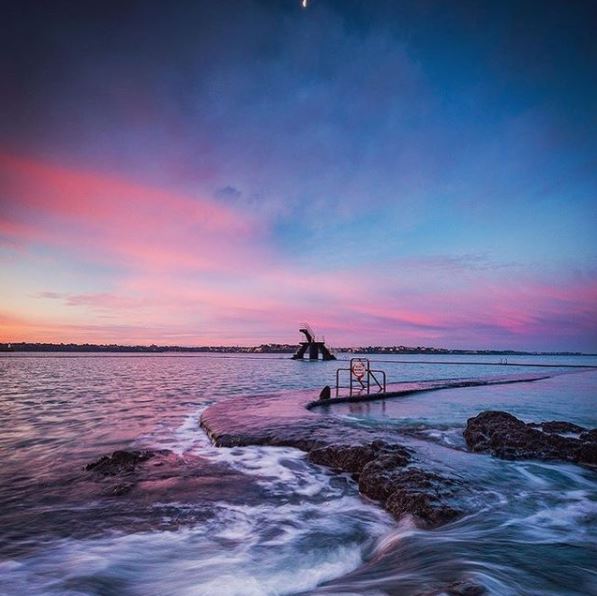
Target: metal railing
[{"x": 361, "y": 377}]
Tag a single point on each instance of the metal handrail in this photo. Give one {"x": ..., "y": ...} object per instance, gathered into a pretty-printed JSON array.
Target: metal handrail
[{"x": 370, "y": 374}]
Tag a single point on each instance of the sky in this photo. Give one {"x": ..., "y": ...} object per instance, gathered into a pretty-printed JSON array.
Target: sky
[{"x": 219, "y": 172}]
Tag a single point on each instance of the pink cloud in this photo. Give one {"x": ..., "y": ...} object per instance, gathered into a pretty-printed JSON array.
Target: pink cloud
[
  {"x": 108, "y": 217},
  {"x": 151, "y": 310},
  {"x": 194, "y": 271}
]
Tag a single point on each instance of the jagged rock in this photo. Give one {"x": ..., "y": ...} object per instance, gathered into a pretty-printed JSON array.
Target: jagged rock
[
  {"x": 353, "y": 458},
  {"x": 380, "y": 470},
  {"x": 425, "y": 495},
  {"x": 425, "y": 506},
  {"x": 377, "y": 477},
  {"x": 348, "y": 458},
  {"x": 505, "y": 436},
  {"x": 408, "y": 490}
]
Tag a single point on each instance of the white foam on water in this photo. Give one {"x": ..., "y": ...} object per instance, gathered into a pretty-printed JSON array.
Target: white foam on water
[
  {"x": 406, "y": 527},
  {"x": 187, "y": 437},
  {"x": 262, "y": 549},
  {"x": 279, "y": 469},
  {"x": 315, "y": 527},
  {"x": 572, "y": 518}
]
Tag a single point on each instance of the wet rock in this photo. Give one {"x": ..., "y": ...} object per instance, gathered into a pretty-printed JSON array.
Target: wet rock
[
  {"x": 505, "y": 436},
  {"x": 348, "y": 458},
  {"x": 465, "y": 588},
  {"x": 587, "y": 453},
  {"x": 558, "y": 427},
  {"x": 147, "y": 491},
  {"x": 458, "y": 588},
  {"x": 161, "y": 476},
  {"x": 425, "y": 506},
  {"x": 120, "y": 462},
  {"x": 423, "y": 494},
  {"x": 353, "y": 458},
  {"x": 120, "y": 489},
  {"x": 377, "y": 477},
  {"x": 589, "y": 436},
  {"x": 382, "y": 472},
  {"x": 408, "y": 490}
]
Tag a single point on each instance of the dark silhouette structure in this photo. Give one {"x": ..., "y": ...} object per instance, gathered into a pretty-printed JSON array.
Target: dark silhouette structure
[
  {"x": 326, "y": 392},
  {"x": 312, "y": 345}
]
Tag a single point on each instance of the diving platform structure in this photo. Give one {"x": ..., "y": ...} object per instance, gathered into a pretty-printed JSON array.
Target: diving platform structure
[{"x": 313, "y": 346}]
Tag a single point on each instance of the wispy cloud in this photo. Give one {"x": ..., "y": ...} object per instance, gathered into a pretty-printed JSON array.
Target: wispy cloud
[{"x": 110, "y": 218}]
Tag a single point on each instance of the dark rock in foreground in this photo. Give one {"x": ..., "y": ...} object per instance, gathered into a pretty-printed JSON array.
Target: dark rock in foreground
[
  {"x": 384, "y": 472},
  {"x": 505, "y": 436},
  {"x": 353, "y": 458},
  {"x": 423, "y": 494}
]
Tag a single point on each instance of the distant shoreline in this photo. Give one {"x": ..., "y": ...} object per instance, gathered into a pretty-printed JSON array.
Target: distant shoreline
[{"x": 264, "y": 349}]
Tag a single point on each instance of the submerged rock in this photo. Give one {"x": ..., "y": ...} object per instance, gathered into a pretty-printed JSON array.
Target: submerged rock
[
  {"x": 459, "y": 588},
  {"x": 505, "y": 436},
  {"x": 162, "y": 475},
  {"x": 120, "y": 462}
]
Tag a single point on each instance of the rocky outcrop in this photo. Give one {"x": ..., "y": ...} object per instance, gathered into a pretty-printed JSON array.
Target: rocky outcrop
[
  {"x": 385, "y": 472},
  {"x": 405, "y": 488},
  {"x": 423, "y": 494},
  {"x": 353, "y": 458},
  {"x": 505, "y": 436},
  {"x": 380, "y": 477}
]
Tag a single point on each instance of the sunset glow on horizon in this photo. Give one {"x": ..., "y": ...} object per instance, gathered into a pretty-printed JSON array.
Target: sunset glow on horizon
[{"x": 194, "y": 175}]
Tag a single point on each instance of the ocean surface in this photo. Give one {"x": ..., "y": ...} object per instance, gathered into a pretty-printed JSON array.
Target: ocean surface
[{"x": 281, "y": 525}]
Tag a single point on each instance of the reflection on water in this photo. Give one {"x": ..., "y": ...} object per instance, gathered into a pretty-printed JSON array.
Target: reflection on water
[{"x": 281, "y": 525}]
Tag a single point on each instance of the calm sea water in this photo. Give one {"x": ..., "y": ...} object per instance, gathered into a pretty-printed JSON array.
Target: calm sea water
[{"x": 284, "y": 525}]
